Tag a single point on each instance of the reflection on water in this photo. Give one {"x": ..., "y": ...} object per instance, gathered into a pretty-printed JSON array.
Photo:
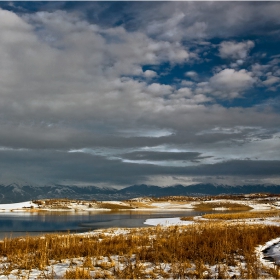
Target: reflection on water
[{"x": 19, "y": 224}]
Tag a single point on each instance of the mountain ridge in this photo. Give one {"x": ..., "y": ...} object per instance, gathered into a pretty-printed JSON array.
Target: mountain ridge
[{"x": 12, "y": 193}]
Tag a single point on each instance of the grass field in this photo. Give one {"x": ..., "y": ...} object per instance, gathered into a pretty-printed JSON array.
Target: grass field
[
  {"x": 207, "y": 206},
  {"x": 198, "y": 251},
  {"x": 221, "y": 245},
  {"x": 113, "y": 206},
  {"x": 243, "y": 215}
]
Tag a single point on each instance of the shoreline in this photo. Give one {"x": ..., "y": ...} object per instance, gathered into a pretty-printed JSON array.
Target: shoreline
[{"x": 67, "y": 205}]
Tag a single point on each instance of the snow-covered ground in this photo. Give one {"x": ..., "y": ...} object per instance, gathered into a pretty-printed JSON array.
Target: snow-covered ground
[
  {"x": 18, "y": 206},
  {"x": 272, "y": 253},
  {"x": 167, "y": 222},
  {"x": 135, "y": 205},
  {"x": 172, "y": 205}
]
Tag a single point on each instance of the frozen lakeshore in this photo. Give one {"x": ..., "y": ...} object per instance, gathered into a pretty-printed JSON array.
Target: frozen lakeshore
[{"x": 268, "y": 254}]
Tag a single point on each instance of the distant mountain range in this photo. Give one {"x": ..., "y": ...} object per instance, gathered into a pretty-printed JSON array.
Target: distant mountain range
[{"x": 17, "y": 193}]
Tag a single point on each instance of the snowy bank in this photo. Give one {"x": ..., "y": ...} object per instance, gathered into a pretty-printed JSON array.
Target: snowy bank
[
  {"x": 17, "y": 206},
  {"x": 167, "y": 222}
]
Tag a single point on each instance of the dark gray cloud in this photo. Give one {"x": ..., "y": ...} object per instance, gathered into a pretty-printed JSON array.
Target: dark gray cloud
[
  {"x": 162, "y": 156},
  {"x": 47, "y": 167}
]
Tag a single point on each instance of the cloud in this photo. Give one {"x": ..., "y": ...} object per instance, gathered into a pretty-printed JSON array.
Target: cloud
[
  {"x": 271, "y": 80},
  {"x": 77, "y": 75},
  {"x": 235, "y": 50},
  {"x": 187, "y": 96},
  {"x": 150, "y": 74},
  {"x": 45, "y": 167},
  {"x": 166, "y": 181},
  {"x": 74, "y": 81},
  {"x": 197, "y": 30},
  {"x": 159, "y": 90},
  {"x": 177, "y": 21},
  {"x": 167, "y": 29},
  {"x": 11, "y": 22},
  {"x": 183, "y": 92},
  {"x": 230, "y": 83},
  {"x": 259, "y": 70},
  {"x": 159, "y": 156},
  {"x": 191, "y": 74},
  {"x": 142, "y": 132}
]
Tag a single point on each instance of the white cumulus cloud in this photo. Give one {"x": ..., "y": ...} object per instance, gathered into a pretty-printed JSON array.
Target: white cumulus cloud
[
  {"x": 191, "y": 74},
  {"x": 150, "y": 74},
  {"x": 229, "y": 83},
  {"x": 235, "y": 50}
]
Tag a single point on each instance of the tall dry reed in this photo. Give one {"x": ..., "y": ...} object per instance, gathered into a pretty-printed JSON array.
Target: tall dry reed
[{"x": 188, "y": 250}]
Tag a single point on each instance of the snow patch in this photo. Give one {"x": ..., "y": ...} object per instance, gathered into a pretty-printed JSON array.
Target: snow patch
[
  {"x": 167, "y": 222},
  {"x": 273, "y": 252},
  {"x": 17, "y": 206}
]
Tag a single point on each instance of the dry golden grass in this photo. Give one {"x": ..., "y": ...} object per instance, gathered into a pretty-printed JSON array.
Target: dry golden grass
[
  {"x": 187, "y": 250},
  {"x": 113, "y": 206},
  {"x": 140, "y": 205},
  {"x": 188, "y": 218},
  {"x": 207, "y": 206},
  {"x": 77, "y": 273},
  {"x": 243, "y": 215},
  {"x": 62, "y": 203}
]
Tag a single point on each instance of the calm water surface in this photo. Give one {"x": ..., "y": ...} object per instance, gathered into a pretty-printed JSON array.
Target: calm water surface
[{"x": 20, "y": 224}]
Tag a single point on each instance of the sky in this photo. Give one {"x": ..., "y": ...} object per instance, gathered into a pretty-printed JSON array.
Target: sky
[{"x": 114, "y": 94}]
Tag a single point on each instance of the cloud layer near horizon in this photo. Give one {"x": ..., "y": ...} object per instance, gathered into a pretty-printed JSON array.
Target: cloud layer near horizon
[{"x": 114, "y": 94}]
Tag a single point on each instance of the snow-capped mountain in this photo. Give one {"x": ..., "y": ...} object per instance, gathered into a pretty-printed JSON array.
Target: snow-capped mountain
[{"x": 22, "y": 192}]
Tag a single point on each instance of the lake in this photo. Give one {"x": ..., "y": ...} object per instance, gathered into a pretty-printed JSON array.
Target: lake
[{"x": 13, "y": 224}]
